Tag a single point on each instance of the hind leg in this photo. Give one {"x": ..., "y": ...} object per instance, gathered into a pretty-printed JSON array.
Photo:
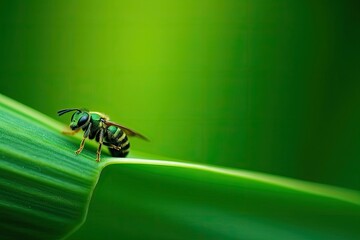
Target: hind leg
[
  {"x": 110, "y": 145},
  {"x": 116, "y": 151}
]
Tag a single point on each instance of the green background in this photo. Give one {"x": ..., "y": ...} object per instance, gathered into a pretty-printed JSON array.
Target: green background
[
  {"x": 268, "y": 86},
  {"x": 271, "y": 86}
]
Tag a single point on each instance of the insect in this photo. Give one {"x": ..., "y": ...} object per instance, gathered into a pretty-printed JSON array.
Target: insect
[{"x": 97, "y": 126}]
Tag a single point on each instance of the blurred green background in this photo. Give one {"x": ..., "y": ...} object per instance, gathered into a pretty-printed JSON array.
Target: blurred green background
[{"x": 270, "y": 86}]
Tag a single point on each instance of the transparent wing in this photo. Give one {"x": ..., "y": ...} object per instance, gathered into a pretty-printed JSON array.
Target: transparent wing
[{"x": 128, "y": 131}]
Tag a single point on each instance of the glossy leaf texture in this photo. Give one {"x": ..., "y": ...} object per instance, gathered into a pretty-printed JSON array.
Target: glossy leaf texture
[{"x": 44, "y": 187}]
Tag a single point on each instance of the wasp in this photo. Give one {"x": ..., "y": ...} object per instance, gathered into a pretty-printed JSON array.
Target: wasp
[{"x": 99, "y": 127}]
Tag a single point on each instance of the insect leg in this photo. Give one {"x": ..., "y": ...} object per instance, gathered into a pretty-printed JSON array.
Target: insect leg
[
  {"x": 101, "y": 138},
  {"x": 110, "y": 145},
  {"x": 86, "y": 134}
]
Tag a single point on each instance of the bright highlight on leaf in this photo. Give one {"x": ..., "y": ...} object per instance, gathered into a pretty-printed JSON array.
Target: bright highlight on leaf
[
  {"x": 45, "y": 191},
  {"x": 301, "y": 186}
]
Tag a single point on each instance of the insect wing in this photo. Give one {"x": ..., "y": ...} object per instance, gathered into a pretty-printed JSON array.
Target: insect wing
[{"x": 128, "y": 131}]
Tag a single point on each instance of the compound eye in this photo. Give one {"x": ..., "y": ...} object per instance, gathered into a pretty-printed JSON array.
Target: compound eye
[{"x": 83, "y": 120}]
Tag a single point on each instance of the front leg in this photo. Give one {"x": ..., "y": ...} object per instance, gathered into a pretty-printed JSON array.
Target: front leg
[{"x": 82, "y": 144}]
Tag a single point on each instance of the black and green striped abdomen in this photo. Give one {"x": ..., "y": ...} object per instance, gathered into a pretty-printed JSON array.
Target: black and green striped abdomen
[{"x": 116, "y": 136}]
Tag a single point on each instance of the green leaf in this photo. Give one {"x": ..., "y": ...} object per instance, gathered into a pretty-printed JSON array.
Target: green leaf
[
  {"x": 45, "y": 190},
  {"x": 171, "y": 200},
  {"x": 44, "y": 187}
]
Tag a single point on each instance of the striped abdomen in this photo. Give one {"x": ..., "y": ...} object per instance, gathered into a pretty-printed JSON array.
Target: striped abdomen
[{"x": 115, "y": 136}]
